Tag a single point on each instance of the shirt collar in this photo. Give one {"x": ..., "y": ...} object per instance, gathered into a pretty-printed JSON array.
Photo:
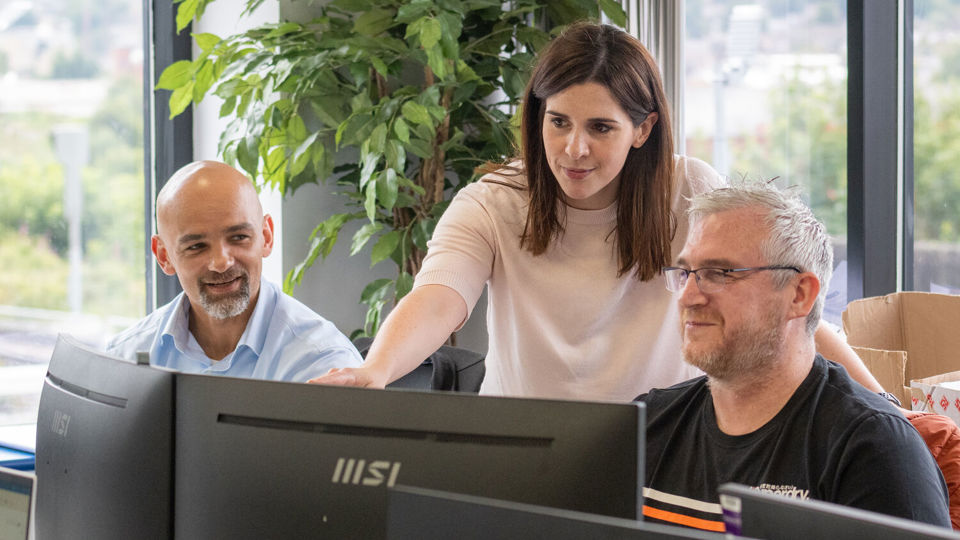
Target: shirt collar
[{"x": 253, "y": 337}]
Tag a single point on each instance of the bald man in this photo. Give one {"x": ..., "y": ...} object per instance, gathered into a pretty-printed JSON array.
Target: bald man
[{"x": 213, "y": 235}]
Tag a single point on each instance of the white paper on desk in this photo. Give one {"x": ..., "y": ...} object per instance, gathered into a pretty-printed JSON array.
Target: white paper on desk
[{"x": 19, "y": 437}]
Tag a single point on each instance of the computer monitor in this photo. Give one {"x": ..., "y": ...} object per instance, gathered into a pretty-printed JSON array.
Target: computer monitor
[
  {"x": 259, "y": 459},
  {"x": 104, "y": 447},
  {"x": 16, "y": 498},
  {"x": 750, "y": 512},
  {"x": 416, "y": 513}
]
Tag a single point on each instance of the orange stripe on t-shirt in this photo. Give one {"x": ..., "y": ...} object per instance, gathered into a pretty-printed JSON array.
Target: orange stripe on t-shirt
[{"x": 680, "y": 519}]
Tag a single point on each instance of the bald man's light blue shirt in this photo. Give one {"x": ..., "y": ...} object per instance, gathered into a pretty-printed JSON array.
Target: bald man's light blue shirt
[{"x": 284, "y": 341}]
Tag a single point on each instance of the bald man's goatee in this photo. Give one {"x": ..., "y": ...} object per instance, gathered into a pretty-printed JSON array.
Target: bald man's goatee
[{"x": 228, "y": 305}]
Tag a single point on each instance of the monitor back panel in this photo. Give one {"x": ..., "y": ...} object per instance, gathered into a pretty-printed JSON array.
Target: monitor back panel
[
  {"x": 765, "y": 515},
  {"x": 104, "y": 447},
  {"x": 416, "y": 513},
  {"x": 260, "y": 459}
]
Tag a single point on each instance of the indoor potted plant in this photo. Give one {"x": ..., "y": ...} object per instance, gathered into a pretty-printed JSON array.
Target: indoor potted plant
[{"x": 420, "y": 90}]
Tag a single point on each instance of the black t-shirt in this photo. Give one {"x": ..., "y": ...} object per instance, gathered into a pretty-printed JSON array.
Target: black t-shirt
[{"x": 833, "y": 441}]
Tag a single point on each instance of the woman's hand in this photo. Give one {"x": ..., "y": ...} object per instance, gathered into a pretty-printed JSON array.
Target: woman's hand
[{"x": 360, "y": 377}]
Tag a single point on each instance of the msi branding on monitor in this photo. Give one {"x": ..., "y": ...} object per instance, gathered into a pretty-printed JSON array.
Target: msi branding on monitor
[
  {"x": 61, "y": 422},
  {"x": 359, "y": 472}
]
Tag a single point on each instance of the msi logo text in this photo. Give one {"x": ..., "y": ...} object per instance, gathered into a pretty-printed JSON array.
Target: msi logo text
[
  {"x": 361, "y": 473},
  {"x": 61, "y": 422}
]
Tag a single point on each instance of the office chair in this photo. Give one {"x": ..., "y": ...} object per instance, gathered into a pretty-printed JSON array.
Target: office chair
[{"x": 450, "y": 368}]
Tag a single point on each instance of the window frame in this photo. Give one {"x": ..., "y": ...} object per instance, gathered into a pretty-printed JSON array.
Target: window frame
[
  {"x": 879, "y": 144},
  {"x": 168, "y": 143}
]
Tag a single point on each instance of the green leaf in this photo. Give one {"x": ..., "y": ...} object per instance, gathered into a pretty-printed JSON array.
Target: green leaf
[
  {"x": 228, "y": 105},
  {"x": 513, "y": 81},
  {"x": 395, "y": 154},
  {"x": 437, "y": 62},
  {"x": 374, "y": 22},
  {"x": 304, "y": 147},
  {"x": 437, "y": 112},
  {"x": 329, "y": 110},
  {"x": 322, "y": 240},
  {"x": 404, "y": 285},
  {"x": 370, "y": 201},
  {"x": 430, "y": 33},
  {"x": 283, "y": 29},
  {"x": 380, "y": 66},
  {"x": 180, "y": 99},
  {"x": 371, "y": 324},
  {"x": 203, "y": 81},
  {"x": 185, "y": 13},
  {"x": 376, "y": 291},
  {"x": 275, "y": 168},
  {"x": 296, "y": 129},
  {"x": 401, "y": 129},
  {"x": 361, "y": 237},
  {"x": 387, "y": 186},
  {"x": 369, "y": 163},
  {"x": 420, "y": 148},
  {"x": 323, "y": 162},
  {"x": 248, "y": 154},
  {"x": 206, "y": 41},
  {"x": 385, "y": 247},
  {"x": 423, "y": 231},
  {"x": 413, "y": 29},
  {"x": 412, "y": 11},
  {"x": 613, "y": 9},
  {"x": 355, "y": 130},
  {"x": 425, "y": 131},
  {"x": 176, "y": 75},
  {"x": 378, "y": 139},
  {"x": 535, "y": 37},
  {"x": 416, "y": 113}
]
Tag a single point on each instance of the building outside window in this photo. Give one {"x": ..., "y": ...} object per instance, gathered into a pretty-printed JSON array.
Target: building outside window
[
  {"x": 71, "y": 179},
  {"x": 765, "y": 97},
  {"x": 936, "y": 150}
]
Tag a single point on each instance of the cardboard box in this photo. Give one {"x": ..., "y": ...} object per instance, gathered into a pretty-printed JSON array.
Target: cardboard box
[
  {"x": 939, "y": 394},
  {"x": 889, "y": 368},
  {"x": 925, "y": 327}
]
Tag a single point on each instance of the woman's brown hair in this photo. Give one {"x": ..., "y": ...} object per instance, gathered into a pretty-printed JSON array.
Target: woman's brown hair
[{"x": 603, "y": 54}]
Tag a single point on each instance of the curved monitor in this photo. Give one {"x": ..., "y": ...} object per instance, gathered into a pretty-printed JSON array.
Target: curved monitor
[
  {"x": 262, "y": 459},
  {"x": 104, "y": 447},
  {"x": 749, "y": 512},
  {"x": 415, "y": 513}
]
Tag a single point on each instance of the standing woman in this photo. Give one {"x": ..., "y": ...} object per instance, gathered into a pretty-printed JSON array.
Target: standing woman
[{"x": 569, "y": 239}]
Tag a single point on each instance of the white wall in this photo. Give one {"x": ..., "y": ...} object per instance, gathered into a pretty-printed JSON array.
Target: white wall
[
  {"x": 222, "y": 19},
  {"x": 331, "y": 287}
]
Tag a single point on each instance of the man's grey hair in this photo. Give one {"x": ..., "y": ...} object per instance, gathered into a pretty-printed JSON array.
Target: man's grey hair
[{"x": 796, "y": 237}]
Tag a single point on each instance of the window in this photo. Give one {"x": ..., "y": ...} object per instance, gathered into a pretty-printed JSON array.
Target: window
[
  {"x": 765, "y": 97},
  {"x": 71, "y": 174},
  {"x": 936, "y": 146}
]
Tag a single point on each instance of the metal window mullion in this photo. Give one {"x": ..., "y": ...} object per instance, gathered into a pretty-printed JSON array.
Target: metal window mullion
[
  {"x": 168, "y": 143},
  {"x": 874, "y": 148},
  {"x": 660, "y": 27},
  {"x": 907, "y": 209}
]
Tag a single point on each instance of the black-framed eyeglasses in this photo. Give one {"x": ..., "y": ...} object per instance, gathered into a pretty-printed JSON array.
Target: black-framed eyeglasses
[{"x": 711, "y": 280}]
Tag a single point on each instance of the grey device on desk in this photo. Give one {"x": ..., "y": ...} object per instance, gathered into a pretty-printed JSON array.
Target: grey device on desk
[
  {"x": 749, "y": 512},
  {"x": 415, "y": 513},
  {"x": 104, "y": 461},
  {"x": 16, "y": 504},
  {"x": 265, "y": 459}
]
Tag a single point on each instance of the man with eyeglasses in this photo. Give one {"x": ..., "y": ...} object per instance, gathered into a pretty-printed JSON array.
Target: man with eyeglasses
[{"x": 770, "y": 412}]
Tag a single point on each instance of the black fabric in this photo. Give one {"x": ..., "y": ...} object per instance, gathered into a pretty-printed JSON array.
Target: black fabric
[
  {"x": 833, "y": 441},
  {"x": 450, "y": 368}
]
